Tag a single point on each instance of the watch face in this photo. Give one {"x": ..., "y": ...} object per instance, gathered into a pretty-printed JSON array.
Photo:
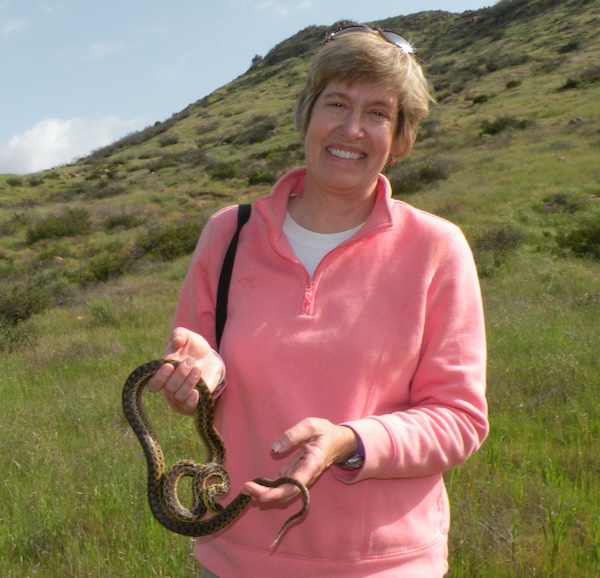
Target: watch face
[{"x": 354, "y": 462}]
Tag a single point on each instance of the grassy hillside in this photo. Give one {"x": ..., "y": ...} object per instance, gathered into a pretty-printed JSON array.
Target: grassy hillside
[{"x": 92, "y": 256}]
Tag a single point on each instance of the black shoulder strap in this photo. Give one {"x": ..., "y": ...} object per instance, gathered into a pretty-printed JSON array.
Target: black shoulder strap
[{"x": 225, "y": 278}]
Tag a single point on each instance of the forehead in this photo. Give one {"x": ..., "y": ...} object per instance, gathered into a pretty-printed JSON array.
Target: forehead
[{"x": 363, "y": 92}]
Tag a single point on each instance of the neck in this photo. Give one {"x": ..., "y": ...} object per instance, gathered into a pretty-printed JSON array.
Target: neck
[{"x": 327, "y": 213}]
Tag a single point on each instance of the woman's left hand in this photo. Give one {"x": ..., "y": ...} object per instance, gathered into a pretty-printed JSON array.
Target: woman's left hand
[{"x": 319, "y": 444}]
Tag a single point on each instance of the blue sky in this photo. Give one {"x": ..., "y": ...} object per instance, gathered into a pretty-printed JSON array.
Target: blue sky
[{"x": 76, "y": 75}]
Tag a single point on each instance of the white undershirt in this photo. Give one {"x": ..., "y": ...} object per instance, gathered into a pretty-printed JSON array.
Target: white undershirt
[{"x": 310, "y": 247}]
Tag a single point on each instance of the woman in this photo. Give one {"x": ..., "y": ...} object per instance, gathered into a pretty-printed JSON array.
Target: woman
[{"x": 354, "y": 345}]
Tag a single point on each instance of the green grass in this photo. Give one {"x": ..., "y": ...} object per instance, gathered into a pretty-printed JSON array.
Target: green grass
[
  {"x": 73, "y": 488},
  {"x": 527, "y": 504}
]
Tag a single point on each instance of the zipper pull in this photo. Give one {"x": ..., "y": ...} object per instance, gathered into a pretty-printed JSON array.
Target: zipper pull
[{"x": 308, "y": 298}]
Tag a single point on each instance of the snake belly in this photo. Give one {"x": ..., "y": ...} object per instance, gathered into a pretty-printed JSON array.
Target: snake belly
[{"x": 209, "y": 479}]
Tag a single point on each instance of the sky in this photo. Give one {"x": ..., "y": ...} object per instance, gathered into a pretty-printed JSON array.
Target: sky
[{"x": 76, "y": 75}]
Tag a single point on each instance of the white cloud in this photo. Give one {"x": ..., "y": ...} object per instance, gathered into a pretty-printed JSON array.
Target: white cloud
[
  {"x": 12, "y": 26},
  {"x": 54, "y": 142},
  {"x": 99, "y": 50}
]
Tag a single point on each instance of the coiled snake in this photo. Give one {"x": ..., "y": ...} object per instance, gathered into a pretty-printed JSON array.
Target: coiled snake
[{"x": 210, "y": 479}]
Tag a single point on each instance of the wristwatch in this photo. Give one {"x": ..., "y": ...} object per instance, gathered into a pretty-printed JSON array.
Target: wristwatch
[{"x": 355, "y": 461}]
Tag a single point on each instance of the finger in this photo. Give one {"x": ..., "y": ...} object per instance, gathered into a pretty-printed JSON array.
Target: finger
[
  {"x": 293, "y": 437},
  {"x": 190, "y": 404},
  {"x": 266, "y": 494},
  {"x": 178, "y": 339},
  {"x": 188, "y": 375},
  {"x": 160, "y": 378}
]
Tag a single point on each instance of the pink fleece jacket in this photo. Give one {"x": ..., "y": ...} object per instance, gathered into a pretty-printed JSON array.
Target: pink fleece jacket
[{"x": 386, "y": 337}]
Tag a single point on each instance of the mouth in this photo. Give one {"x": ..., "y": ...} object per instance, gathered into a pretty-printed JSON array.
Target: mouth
[{"x": 347, "y": 155}]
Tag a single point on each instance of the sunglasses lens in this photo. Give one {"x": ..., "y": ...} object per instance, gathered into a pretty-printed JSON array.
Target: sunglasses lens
[
  {"x": 399, "y": 41},
  {"x": 347, "y": 29},
  {"x": 392, "y": 37}
]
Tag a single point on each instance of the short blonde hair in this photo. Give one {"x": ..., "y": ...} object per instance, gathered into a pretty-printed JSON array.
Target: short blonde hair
[{"x": 363, "y": 57}]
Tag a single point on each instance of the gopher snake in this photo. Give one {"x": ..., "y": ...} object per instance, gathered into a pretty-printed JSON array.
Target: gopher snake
[{"x": 209, "y": 479}]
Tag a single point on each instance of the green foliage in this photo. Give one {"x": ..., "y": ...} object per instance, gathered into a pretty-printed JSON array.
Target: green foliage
[
  {"x": 494, "y": 246},
  {"x": 21, "y": 300},
  {"x": 259, "y": 129},
  {"x": 302, "y": 43},
  {"x": 14, "y": 336},
  {"x": 502, "y": 123},
  {"x": 168, "y": 140},
  {"x": 586, "y": 78},
  {"x": 561, "y": 203},
  {"x": 258, "y": 176},
  {"x": 407, "y": 178},
  {"x": 171, "y": 241},
  {"x": 12, "y": 224},
  {"x": 14, "y": 182},
  {"x": 479, "y": 98},
  {"x": 110, "y": 262},
  {"x": 122, "y": 221},
  {"x": 70, "y": 223},
  {"x": 527, "y": 503},
  {"x": 584, "y": 241},
  {"x": 221, "y": 171}
]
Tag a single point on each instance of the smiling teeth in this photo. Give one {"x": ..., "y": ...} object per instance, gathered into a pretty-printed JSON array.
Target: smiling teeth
[{"x": 346, "y": 154}]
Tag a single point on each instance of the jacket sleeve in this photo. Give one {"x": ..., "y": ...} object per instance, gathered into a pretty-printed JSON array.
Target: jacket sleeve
[
  {"x": 197, "y": 299},
  {"x": 447, "y": 416}
]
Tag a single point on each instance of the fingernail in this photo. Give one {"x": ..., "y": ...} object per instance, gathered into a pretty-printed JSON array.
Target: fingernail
[{"x": 276, "y": 447}]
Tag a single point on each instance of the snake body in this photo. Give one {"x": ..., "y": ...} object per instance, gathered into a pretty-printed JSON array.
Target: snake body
[{"x": 210, "y": 479}]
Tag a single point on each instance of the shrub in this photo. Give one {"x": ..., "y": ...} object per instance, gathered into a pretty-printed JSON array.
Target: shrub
[
  {"x": 105, "y": 190},
  {"x": 124, "y": 220},
  {"x": 410, "y": 178},
  {"x": 14, "y": 182},
  {"x": 568, "y": 47},
  {"x": 103, "y": 311},
  {"x": 259, "y": 129},
  {"x": 171, "y": 241},
  {"x": 70, "y": 223},
  {"x": 591, "y": 75},
  {"x": 479, "y": 98},
  {"x": 570, "y": 84},
  {"x": 221, "y": 170},
  {"x": 513, "y": 84},
  {"x": 560, "y": 203},
  {"x": 168, "y": 140},
  {"x": 14, "y": 336},
  {"x": 501, "y": 123},
  {"x": 583, "y": 241},
  {"x": 260, "y": 177},
  {"x": 588, "y": 77},
  {"x": 19, "y": 301},
  {"x": 110, "y": 263},
  {"x": 11, "y": 225},
  {"x": 494, "y": 246}
]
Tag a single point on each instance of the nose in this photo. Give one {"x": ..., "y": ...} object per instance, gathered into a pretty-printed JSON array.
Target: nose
[{"x": 352, "y": 127}]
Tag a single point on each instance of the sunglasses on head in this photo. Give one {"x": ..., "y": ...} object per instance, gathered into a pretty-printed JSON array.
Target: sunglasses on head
[{"x": 389, "y": 35}]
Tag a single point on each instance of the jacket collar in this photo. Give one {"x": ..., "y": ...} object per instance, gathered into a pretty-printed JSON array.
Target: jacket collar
[{"x": 274, "y": 205}]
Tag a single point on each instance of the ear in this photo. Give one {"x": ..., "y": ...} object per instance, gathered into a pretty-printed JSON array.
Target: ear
[{"x": 401, "y": 147}]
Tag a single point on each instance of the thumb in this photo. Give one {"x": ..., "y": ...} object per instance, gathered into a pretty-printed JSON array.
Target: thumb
[
  {"x": 178, "y": 338},
  {"x": 293, "y": 437}
]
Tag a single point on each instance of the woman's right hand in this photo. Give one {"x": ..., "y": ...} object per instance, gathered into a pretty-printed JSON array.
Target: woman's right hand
[{"x": 197, "y": 360}]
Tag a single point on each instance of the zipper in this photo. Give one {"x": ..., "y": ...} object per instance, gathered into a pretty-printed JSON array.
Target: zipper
[{"x": 308, "y": 300}]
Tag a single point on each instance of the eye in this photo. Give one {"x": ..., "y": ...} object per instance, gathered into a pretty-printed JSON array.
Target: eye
[{"x": 380, "y": 115}]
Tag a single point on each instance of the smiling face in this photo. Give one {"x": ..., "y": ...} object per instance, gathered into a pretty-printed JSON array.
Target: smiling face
[{"x": 350, "y": 137}]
